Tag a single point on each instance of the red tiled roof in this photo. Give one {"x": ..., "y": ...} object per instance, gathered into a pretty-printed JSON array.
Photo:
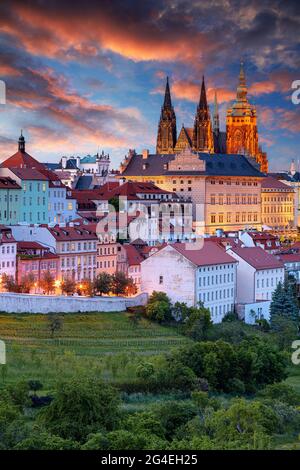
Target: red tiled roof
[
  {"x": 131, "y": 189},
  {"x": 209, "y": 254},
  {"x": 54, "y": 180},
  {"x": 8, "y": 183},
  {"x": 22, "y": 160},
  {"x": 133, "y": 256},
  {"x": 289, "y": 257},
  {"x": 273, "y": 183},
  {"x": 29, "y": 174},
  {"x": 257, "y": 257},
  {"x": 23, "y": 245},
  {"x": 82, "y": 232}
]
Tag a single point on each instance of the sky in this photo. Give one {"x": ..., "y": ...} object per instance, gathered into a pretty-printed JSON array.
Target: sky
[{"x": 83, "y": 77}]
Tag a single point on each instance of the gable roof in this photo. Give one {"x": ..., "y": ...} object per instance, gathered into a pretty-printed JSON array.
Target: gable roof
[
  {"x": 22, "y": 160},
  {"x": 210, "y": 254},
  {"x": 28, "y": 174},
  {"x": 257, "y": 257}
]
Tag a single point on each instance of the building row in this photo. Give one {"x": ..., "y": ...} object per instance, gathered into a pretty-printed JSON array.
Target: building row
[{"x": 231, "y": 271}]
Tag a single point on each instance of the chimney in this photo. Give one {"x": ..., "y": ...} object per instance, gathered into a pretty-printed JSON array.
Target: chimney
[
  {"x": 145, "y": 154},
  {"x": 78, "y": 162},
  {"x": 64, "y": 162}
]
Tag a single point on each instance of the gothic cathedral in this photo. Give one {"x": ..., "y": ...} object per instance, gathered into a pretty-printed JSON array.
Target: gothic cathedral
[{"x": 241, "y": 135}]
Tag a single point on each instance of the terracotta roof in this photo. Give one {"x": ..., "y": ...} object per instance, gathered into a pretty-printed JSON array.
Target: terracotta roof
[
  {"x": 209, "y": 254},
  {"x": 133, "y": 256},
  {"x": 28, "y": 174},
  {"x": 82, "y": 232},
  {"x": 262, "y": 236},
  {"x": 257, "y": 257},
  {"x": 24, "y": 245},
  {"x": 289, "y": 257},
  {"x": 8, "y": 183},
  {"x": 131, "y": 189},
  {"x": 54, "y": 180},
  {"x": 273, "y": 183},
  {"x": 22, "y": 160}
]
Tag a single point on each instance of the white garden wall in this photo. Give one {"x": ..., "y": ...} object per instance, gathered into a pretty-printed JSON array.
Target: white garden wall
[{"x": 26, "y": 303}]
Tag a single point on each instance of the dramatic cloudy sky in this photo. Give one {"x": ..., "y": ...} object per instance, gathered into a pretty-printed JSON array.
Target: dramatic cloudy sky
[{"x": 84, "y": 75}]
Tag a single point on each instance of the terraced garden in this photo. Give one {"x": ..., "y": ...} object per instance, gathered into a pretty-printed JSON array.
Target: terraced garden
[{"x": 109, "y": 343}]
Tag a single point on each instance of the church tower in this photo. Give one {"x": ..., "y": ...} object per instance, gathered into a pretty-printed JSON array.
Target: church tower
[
  {"x": 202, "y": 135},
  {"x": 216, "y": 119},
  {"x": 167, "y": 134},
  {"x": 241, "y": 126}
]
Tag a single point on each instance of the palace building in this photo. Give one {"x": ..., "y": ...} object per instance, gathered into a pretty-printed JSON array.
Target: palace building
[
  {"x": 225, "y": 189},
  {"x": 241, "y": 136},
  {"x": 219, "y": 172}
]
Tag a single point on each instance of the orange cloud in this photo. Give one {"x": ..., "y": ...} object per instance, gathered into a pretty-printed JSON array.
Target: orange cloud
[{"x": 46, "y": 32}]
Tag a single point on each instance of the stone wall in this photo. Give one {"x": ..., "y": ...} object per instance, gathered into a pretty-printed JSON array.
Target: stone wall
[{"x": 26, "y": 303}]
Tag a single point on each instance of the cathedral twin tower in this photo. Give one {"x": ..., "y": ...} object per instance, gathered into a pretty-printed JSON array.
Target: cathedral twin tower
[{"x": 241, "y": 136}]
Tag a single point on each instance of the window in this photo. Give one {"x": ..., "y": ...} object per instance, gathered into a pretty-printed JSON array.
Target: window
[{"x": 161, "y": 279}]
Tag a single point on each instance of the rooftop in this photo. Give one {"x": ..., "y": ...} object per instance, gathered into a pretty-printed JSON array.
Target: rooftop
[
  {"x": 216, "y": 165},
  {"x": 257, "y": 257},
  {"x": 210, "y": 254},
  {"x": 273, "y": 183}
]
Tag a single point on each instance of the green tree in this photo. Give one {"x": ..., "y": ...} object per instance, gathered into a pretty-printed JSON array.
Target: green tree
[
  {"x": 46, "y": 441},
  {"x": 82, "y": 406},
  {"x": 27, "y": 283},
  {"x": 159, "y": 307},
  {"x": 47, "y": 282},
  {"x": 103, "y": 283},
  {"x": 283, "y": 307},
  {"x": 120, "y": 283},
  {"x": 9, "y": 283},
  {"x": 198, "y": 323},
  {"x": 68, "y": 286},
  {"x": 281, "y": 392},
  {"x": 86, "y": 288}
]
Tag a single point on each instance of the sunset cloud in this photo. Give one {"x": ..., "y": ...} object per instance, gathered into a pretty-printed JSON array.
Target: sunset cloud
[{"x": 93, "y": 73}]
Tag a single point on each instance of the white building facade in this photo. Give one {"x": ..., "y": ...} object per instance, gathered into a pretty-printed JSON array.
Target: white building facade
[
  {"x": 8, "y": 252},
  {"x": 190, "y": 275},
  {"x": 258, "y": 273}
]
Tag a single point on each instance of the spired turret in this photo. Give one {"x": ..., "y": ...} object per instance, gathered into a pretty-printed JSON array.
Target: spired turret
[
  {"x": 203, "y": 136},
  {"x": 167, "y": 133}
]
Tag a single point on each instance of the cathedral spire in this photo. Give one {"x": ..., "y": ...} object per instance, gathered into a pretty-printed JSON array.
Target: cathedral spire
[
  {"x": 167, "y": 133},
  {"x": 167, "y": 100},
  {"x": 202, "y": 134},
  {"x": 203, "y": 99},
  {"x": 216, "y": 120},
  {"x": 241, "y": 92},
  {"x": 21, "y": 142}
]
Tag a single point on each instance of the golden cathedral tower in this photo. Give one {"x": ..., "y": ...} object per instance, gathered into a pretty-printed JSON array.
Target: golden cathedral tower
[
  {"x": 241, "y": 126},
  {"x": 203, "y": 135},
  {"x": 167, "y": 134}
]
